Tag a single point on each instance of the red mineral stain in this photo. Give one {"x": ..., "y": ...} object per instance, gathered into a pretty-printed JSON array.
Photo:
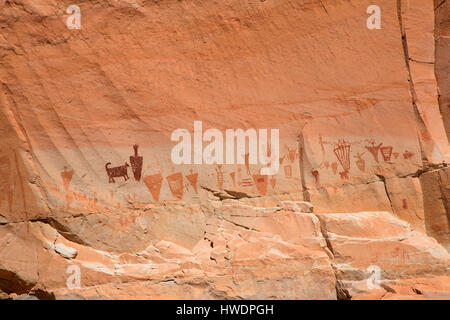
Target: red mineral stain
[
  {"x": 315, "y": 174},
  {"x": 154, "y": 183},
  {"x": 425, "y": 135},
  {"x": 404, "y": 204}
]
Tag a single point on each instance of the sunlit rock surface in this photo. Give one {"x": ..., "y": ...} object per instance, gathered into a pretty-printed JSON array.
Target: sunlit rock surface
[{"x": 363, "y": 117}]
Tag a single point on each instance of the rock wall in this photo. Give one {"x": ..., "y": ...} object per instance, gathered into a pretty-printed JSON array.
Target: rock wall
[
  {"x": 363, "y": 122},
  {"x": 442, "y": 32}
]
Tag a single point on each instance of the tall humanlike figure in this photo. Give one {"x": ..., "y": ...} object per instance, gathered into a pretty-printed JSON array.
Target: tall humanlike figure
[{"x": 136, "y": 163}]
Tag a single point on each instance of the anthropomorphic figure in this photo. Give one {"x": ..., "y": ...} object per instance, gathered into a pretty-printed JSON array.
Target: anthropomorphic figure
[{"x": 136, "y": 163}]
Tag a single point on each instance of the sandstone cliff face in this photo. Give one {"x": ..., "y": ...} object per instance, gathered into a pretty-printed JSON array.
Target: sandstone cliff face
[
  {"x": 442, "y": 33},
  {"x": 363, "y": 121}
]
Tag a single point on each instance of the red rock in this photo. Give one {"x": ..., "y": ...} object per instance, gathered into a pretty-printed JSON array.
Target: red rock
[{"x": 363, "y": 120}]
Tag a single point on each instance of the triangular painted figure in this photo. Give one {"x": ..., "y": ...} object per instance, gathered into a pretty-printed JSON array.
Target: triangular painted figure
[
  {"x": 192, "y": 178},
  {"x": 154, "y": 183}
]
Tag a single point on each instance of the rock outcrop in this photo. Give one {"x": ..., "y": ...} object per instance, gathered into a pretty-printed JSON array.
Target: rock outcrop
[{"x": 93, "y": 207}]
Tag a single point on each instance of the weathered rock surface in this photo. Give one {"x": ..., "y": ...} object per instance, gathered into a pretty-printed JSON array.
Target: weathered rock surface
[
  {"x": 363, "y": 180},
  {"x": 442, "y": 36},
  {"x": 405, "y": 258},
  {"x": 246, "y": 252}
]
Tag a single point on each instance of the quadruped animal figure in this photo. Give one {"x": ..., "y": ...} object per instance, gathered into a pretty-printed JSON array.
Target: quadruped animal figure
[{"x": 116, "y": 172}]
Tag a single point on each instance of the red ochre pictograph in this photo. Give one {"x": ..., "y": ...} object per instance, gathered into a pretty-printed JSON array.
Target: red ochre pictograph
[
  {"x": 154, "y": 183},
  {"x": 373, "y": 149},
  {"x": 261, "y": 183},
  {"x": 342, "y": 152},
  {"x": 176, "y": 185},
  {"x": 192, "y": 178},
  {"x": 386, "y": 152},
  {"x": 136, "y": 163}
]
